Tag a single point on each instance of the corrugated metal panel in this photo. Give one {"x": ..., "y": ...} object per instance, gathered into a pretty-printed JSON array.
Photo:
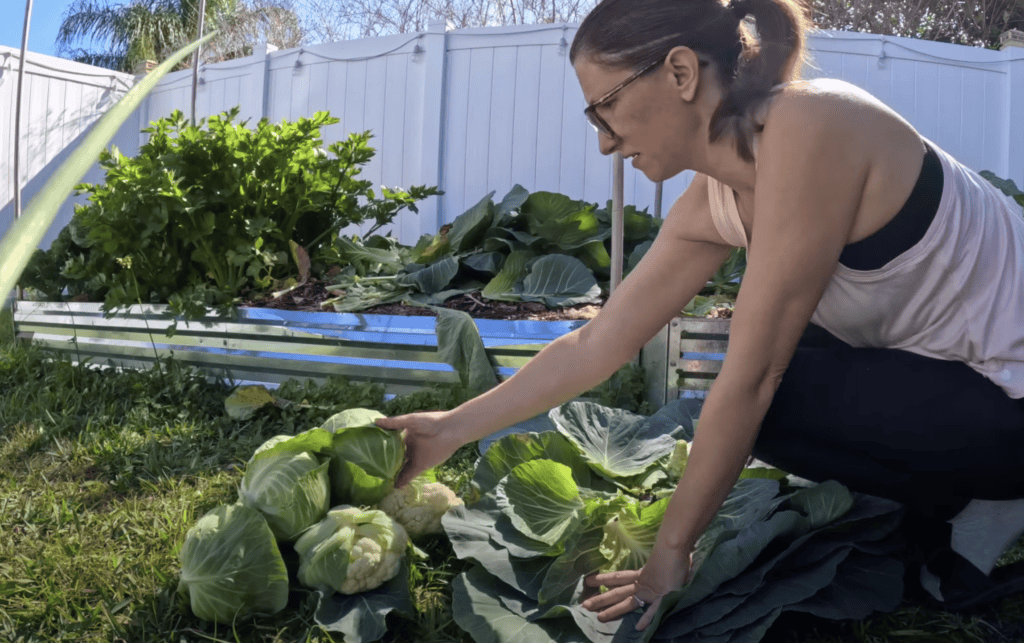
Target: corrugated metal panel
[{"x": 272, "y": 346}]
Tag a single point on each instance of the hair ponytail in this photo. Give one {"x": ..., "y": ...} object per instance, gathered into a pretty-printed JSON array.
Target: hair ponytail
[{"x": 635, "y": 33}]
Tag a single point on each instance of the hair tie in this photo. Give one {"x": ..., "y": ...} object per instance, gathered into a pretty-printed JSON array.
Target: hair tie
[{"x": 740, "y": 8}]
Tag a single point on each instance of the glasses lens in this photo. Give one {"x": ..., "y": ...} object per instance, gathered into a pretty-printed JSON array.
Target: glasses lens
[{"x": 599, "y": 125}]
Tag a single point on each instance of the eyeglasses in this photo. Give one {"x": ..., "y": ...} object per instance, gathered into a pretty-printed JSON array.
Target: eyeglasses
[{"x": 590, "y": 111}]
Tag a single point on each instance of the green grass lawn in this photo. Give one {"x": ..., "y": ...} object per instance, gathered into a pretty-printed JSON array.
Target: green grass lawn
[{"x": 103, "y": 473}]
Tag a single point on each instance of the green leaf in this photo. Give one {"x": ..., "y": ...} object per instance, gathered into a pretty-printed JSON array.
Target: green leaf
[
  {"x": 432, "y": 279},
  {"x": 24, "y": 236},
  {"x": 469, "y": 227},
  {"x": 823, "y": 502},
  {"x": 1008, "y": 187},
  {"x": 350, "y": 418},
  {"x": 508, "y": 452},
  {"x": 301, "y": 260},
  {"x": 514, "y": 200},
  {"x": 502, "y": 287},
  {"x": 478, "y": 609},
  {"x": 542, "y": 500},
  {"x": 629, "y": 536},
  {"x": 460, "y": 346},
  {"x": 560, "y": 280},
  {"x": 610, "y": 440},
  {"x": 361, "y": 618},
  {"x": 246, "y": 400},
  {"x": 489, "y": 262},
  {"x": 582, "y": 557}
]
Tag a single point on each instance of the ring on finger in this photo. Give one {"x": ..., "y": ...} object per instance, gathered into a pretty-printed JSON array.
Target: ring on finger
[{"x": 639, "y": 601}]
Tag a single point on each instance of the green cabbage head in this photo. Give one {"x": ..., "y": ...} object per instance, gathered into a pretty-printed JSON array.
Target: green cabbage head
[
  {"x": 350, "y": 551},
  {"x": 365, "y": 459},
  {"x": 231, "y": 566},
  {"x": 288, "y": 486}
]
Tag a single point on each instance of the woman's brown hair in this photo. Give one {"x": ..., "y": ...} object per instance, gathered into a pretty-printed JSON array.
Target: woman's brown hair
[{"x": 632, "y": 34}]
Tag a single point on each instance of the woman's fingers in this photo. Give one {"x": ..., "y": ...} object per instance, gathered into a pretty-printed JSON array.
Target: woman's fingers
[
  {"x": 612, "y": 579},
  {"x": 614, "y": 601}
]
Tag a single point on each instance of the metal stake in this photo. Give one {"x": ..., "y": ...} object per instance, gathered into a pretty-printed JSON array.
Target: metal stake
[
  {"x": 618, "y": 192},
  {"x": 195, "y": 59},
  {"x": 17, "y": 111}
]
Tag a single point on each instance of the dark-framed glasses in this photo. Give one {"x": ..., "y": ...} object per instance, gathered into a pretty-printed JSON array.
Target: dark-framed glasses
[{"x": 590, "y": 111}]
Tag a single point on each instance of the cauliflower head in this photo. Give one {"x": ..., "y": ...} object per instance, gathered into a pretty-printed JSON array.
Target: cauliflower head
[
  {"x": 352, "y": 550},
  {"x": 419, "y": 506}
]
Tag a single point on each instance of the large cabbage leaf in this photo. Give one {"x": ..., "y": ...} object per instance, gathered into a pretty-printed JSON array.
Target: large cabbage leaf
[
  {"x": 290, "y": 486},
  {"x": 541, "y": 499},
  {"x": 231, "y": 566},
  {"x": 609, "y": 439},
  {"x": 365, "y": 459}
]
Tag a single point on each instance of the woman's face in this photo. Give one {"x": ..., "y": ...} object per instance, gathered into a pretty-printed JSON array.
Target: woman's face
[{"x": 651, "y": 119}]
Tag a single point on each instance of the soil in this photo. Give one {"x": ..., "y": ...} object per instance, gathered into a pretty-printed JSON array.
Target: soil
[{"x": 309, "y": 296}]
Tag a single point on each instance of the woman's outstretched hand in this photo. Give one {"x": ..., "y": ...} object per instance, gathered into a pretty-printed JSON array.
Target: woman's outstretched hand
[
  {"x": 667, "y": 570},
  {"x": 429, "y": 441}
]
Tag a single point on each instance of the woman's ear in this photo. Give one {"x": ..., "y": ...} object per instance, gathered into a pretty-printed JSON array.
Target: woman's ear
[{"x": 685, "y": 66}]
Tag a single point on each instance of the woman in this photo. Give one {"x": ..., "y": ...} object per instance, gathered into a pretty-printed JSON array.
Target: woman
[{"x": 853, "y": 221}]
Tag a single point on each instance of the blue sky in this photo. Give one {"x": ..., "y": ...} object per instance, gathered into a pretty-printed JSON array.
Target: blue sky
[{"x": 46, "y": 19}]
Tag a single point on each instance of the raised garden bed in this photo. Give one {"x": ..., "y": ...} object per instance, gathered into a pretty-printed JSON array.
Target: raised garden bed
[{"x": 270, "y": 346}]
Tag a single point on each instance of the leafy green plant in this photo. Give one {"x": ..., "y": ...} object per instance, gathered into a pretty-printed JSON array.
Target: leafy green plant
[
  {"x": 1008, "y": 187},
  {"x": 589, "y": 493},
  {"x": 207, "y": 213},
  {"x": 21, "y": 240}
]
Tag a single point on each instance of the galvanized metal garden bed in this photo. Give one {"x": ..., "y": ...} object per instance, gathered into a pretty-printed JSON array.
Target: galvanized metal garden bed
[{"x": 270, "y": 346}]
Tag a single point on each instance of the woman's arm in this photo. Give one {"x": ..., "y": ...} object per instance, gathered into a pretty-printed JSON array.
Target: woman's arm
[{"x": 813, "y": 167}]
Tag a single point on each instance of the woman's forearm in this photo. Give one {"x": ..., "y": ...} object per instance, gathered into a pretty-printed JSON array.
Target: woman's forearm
[
  {"x": 728, "y": 429},
  {"x": 562, "y": 370}
]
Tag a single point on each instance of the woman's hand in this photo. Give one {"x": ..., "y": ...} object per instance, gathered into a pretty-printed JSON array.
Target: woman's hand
[
  {"x": 667, "y": 570},
  {"x": 429, "y": 441}
]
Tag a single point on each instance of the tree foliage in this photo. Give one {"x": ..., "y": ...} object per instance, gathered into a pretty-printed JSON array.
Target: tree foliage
[
  {"x": 119, "y": 36},
  {"x": 967, "y": 22}
]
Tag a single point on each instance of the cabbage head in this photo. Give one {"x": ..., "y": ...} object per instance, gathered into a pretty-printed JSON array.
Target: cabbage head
[
  {"x": 289, "y": 487},
  {"x": 350, "y": 551},
  {"x": 231, "y": 566},
  {"x": 365, "y": 459}
]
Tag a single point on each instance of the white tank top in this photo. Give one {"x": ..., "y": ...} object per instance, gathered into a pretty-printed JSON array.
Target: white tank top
[{"x": 957, "y": 294}]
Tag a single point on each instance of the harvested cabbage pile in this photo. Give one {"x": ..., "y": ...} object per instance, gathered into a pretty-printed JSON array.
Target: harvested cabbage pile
[
  {"x": 325, "y": 498},
  {"x": 585, "y": 491}
]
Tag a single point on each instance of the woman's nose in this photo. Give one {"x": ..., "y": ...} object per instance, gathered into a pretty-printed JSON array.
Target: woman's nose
[{"x": 606, "y": 144}]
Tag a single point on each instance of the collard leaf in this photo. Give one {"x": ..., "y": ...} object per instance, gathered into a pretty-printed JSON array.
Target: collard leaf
[
  {"x": 246, "y": 400},
  {"x": 488, "y": 262},
  {"x": 823, "y": 503},
  {"x": 361, "y": 618},
  {"x": 354, "y": 252},
  {"x": 432, "y": 279},
  {"x": 469, "y": 227},
  {"x": 610, "y": 440},
  {"x": 459, "y": 345},
  {"x": 437, "y": 299},
  {"x": 503, "y": 286},
  {"x": 863, "y": 584},
  {"x": 478, "y": 609},
  {"x": 638, "y": 253},
  {"x": 560, "y": 280},
  {"x": 469, "y": 530},
  {"x": 513, "y": 201},
  {"x": 542, "y": 500}
]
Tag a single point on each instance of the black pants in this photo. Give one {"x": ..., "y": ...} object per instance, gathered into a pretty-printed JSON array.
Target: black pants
[{"x": 929, "y": 433}]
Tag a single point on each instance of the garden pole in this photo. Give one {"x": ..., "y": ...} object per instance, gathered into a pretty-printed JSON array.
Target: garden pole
[
  {"x": 195, "y": 59},
  {"x": 17, "y": 110},
  {"x": 657, "y": 198},
  {"x": 617, "y": 223},
  {"x": 17, "y": 119}
]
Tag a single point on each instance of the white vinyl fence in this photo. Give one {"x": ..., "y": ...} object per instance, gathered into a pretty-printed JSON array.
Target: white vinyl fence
[{"x": 479, "y": 110}]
